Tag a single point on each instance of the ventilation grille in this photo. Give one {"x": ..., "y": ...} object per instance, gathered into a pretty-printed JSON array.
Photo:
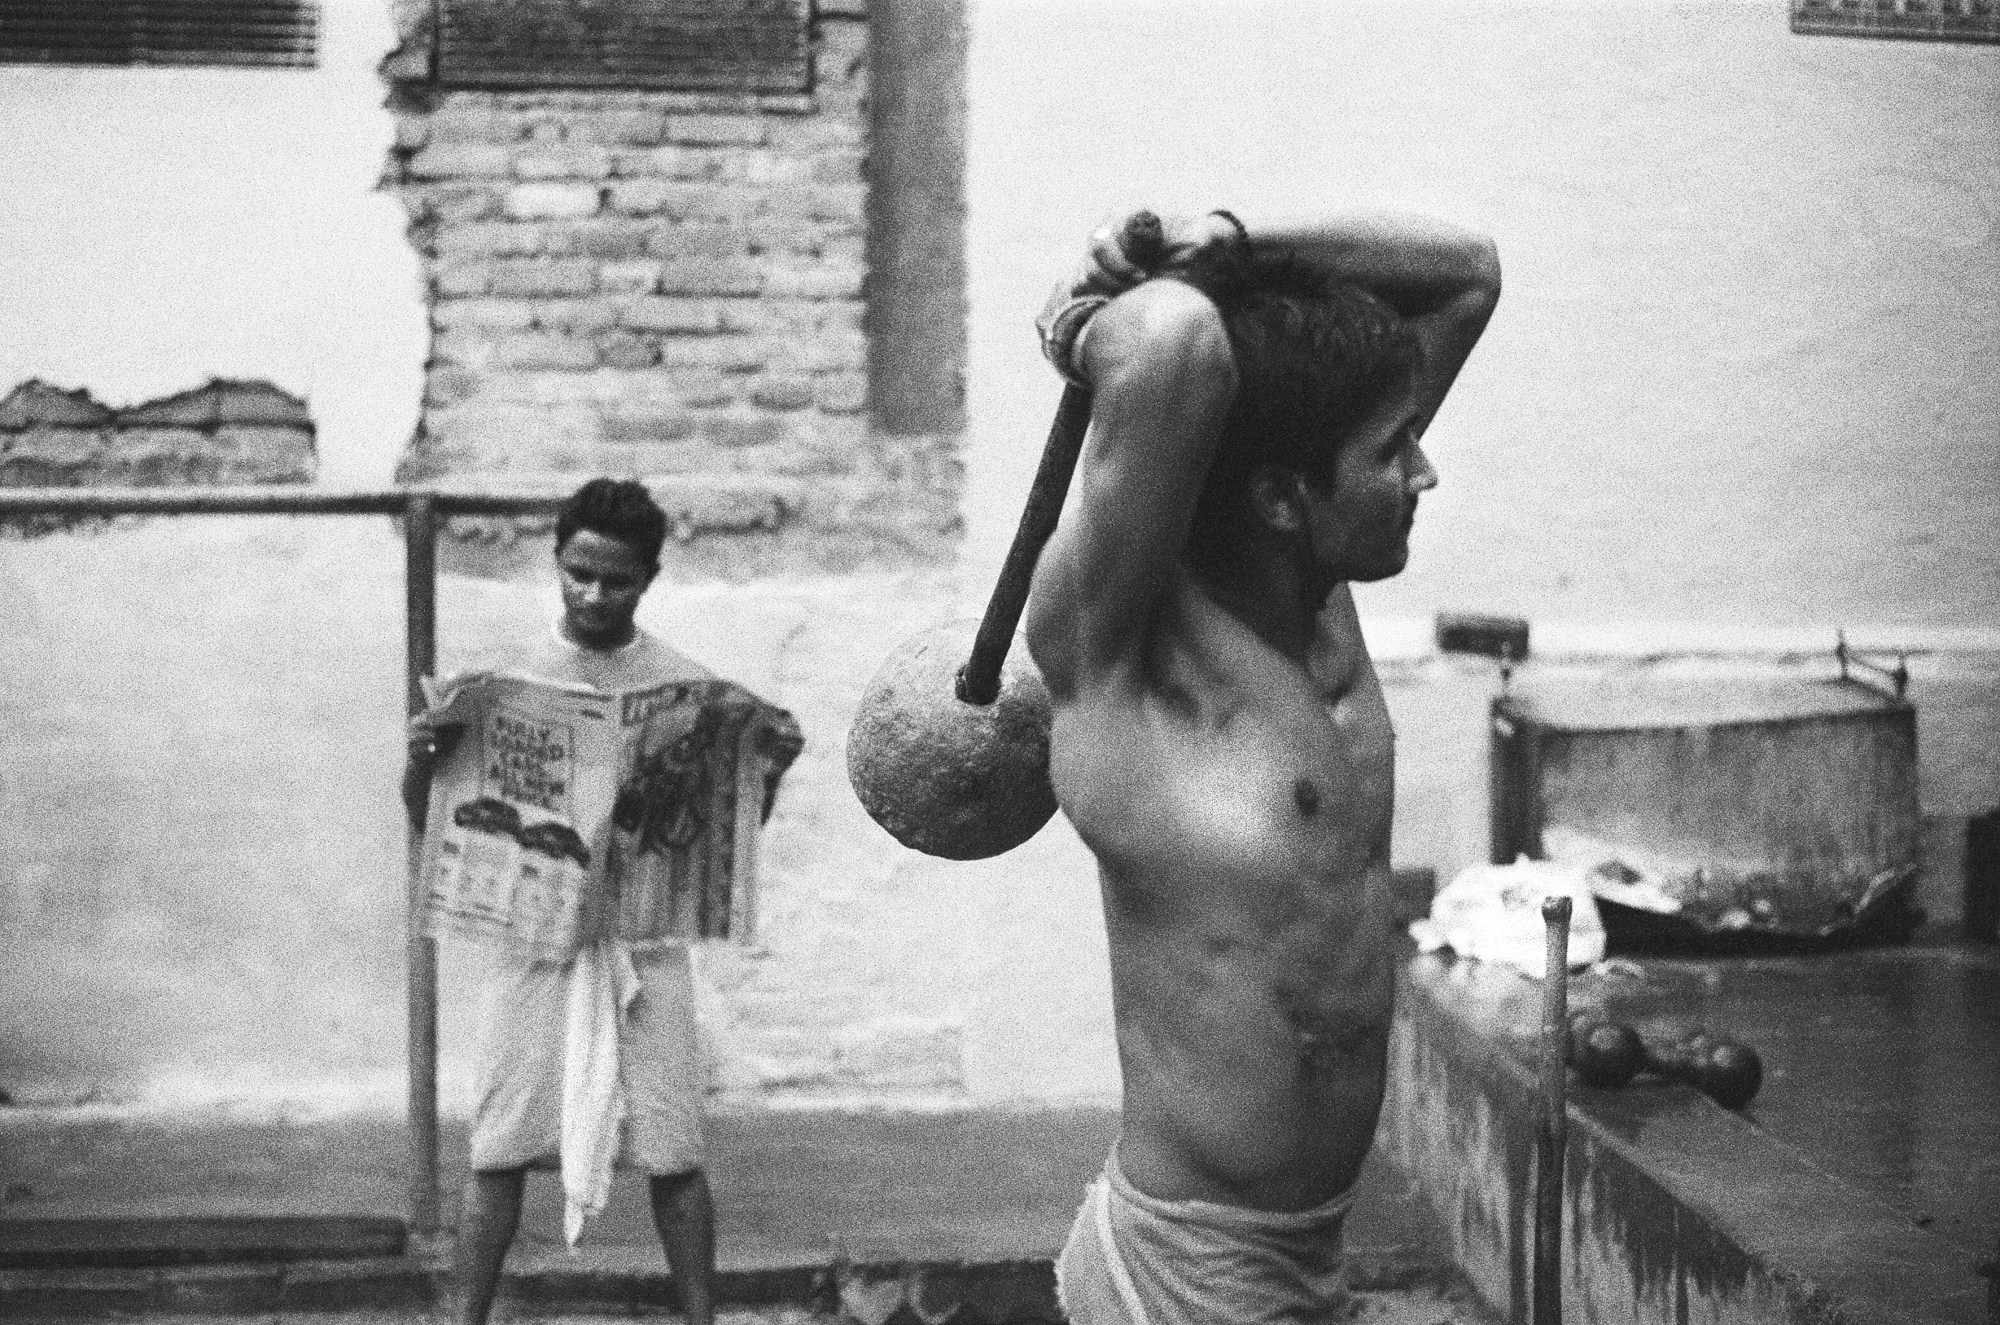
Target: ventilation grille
[
  {"x": 1924, "y": 20},
  {"x": 159, "y": 32},
  {"x": 745, "y": 46}
]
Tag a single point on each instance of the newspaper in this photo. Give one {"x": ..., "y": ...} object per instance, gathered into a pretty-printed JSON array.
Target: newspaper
[{"x": 565, "y": 814}]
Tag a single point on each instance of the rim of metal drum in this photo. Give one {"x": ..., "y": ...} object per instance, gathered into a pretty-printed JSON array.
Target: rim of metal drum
[{"x": 1512, "y": 707}]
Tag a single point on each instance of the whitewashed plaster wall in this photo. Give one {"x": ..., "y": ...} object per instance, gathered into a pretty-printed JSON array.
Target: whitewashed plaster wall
[
  {"x": 163, "y": 226},
  {"x": 200, "y": 891},
  {"x": 1746, "y": 371}
]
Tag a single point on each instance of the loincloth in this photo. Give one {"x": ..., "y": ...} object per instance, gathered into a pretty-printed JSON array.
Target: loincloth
[
  {"x": 1133, "y": 1259},
  {"x": 518, "y": 1102}
]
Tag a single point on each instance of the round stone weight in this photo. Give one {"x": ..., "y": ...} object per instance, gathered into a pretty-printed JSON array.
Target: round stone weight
[{"x": 946, "y": 777}]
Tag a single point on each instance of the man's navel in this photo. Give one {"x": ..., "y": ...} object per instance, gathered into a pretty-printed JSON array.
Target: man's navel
[{"x": 1305, "y": 794}]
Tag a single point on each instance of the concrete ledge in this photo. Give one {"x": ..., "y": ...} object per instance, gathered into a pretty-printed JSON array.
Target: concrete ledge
[{"x": 1674, "y": 1209}]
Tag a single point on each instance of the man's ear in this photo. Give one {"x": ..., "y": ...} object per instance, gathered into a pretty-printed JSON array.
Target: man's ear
[{"x": 1277, "y": 497}]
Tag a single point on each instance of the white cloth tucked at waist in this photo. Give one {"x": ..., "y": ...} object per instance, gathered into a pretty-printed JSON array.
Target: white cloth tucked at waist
[{"x": 602, "y": 986}]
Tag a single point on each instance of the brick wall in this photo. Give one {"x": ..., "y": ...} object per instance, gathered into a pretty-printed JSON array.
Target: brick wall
[
  {"x": 224, "y": 432},
  {"x": 671, "y": 287}
]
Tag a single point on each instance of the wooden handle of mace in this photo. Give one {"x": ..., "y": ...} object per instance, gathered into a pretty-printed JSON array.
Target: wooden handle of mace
[{"x": 979, "y": 679}]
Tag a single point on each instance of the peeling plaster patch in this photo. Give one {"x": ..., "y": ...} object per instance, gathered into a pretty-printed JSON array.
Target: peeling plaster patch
[{"x": 224, "y": 432}]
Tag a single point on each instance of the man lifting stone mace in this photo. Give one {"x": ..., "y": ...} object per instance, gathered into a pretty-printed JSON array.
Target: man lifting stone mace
[{"x": 1217, "y": 735}]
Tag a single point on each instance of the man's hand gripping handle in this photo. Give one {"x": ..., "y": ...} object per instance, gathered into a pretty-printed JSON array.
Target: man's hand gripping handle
[
  {"x": 1120, "y": 257},
  {"x": 1123, "y": 253}
]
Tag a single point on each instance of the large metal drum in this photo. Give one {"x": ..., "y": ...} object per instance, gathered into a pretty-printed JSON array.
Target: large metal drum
[{"x": 1737, "y": 808}]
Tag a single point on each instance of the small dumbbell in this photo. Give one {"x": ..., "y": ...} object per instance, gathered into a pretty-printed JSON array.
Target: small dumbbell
[
  {"x": 1606, "y": 1054},
  {"x": 1727, "y": 1071}
]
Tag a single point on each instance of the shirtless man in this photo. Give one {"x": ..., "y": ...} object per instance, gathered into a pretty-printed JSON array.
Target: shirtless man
[{"x": 1220, "y": 738}]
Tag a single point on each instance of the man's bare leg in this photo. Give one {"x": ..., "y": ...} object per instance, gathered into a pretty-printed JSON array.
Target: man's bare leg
[
  {"x": 684, "y": 1214},
  {"x": 485, "y": 1230}
]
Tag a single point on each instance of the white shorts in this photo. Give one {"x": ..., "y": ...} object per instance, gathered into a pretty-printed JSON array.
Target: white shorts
[{"x": 517, "y": 1115}]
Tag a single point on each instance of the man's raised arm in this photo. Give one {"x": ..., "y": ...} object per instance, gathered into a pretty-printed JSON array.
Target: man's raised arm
[
  {"x": 1442, "y": 279},
  {"x": 1159, "y": 364}
]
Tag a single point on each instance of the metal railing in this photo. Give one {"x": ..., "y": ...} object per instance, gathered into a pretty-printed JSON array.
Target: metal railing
[{"x": 420, "y": 510}]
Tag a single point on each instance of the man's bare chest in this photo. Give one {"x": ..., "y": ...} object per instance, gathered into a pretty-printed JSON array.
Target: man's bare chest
[{"x": 1278, "y": 784}]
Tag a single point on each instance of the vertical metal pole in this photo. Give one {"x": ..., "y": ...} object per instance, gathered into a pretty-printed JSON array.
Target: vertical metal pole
[
  {"x": 1552, "y": 1136},
  {"x": 420, "y": 627}
]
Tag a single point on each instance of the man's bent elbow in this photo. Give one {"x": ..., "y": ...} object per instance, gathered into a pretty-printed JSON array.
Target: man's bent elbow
[
  {"x": 1479, "y": 294},
  {"x": 1163, "y": 324},
  {"x": 1486, "y": 267}
]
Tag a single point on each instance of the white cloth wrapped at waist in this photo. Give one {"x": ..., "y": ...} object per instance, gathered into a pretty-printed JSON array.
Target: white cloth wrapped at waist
[{"x": 602, "y": 986}]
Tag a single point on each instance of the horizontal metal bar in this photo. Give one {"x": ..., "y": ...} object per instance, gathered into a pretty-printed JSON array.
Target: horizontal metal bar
[{"x": 268, "y": 499}]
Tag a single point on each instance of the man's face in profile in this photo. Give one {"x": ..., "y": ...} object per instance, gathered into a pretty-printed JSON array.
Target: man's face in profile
[
  {"x": 602, "y": 581},
  {"x": 1361, "y": 519}
]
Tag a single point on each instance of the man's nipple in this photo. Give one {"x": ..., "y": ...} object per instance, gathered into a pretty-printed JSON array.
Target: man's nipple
[{"x": 1306, "y": 794}]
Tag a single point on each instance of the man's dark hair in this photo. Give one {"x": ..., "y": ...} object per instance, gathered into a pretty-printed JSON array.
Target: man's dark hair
[
  {"x": 1315, "y": 356},
  {"x": 615, "y": 508}
]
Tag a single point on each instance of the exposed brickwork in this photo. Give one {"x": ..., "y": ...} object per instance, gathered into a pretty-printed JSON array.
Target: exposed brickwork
[
  {"x": 671, "y": 287},
  {"x": 224, "y": 432}
]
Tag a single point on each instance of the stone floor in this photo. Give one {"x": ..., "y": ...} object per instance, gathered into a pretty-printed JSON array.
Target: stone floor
[
  {"x": 1422, "y": 1305},
  {"x": 981, "y": 1188},
  {"x": 977, "y": 1185}
]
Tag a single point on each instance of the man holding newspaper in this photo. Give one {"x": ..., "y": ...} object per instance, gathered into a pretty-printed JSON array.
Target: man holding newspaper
[{"x": 591, "y": 803}]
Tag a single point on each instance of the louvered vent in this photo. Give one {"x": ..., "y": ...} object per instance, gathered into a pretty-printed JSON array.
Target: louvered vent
[
  {"x": 159, "y": 32},
  {"x": 1923, "y": 20},
  {"x": 742, "y": 46}
]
